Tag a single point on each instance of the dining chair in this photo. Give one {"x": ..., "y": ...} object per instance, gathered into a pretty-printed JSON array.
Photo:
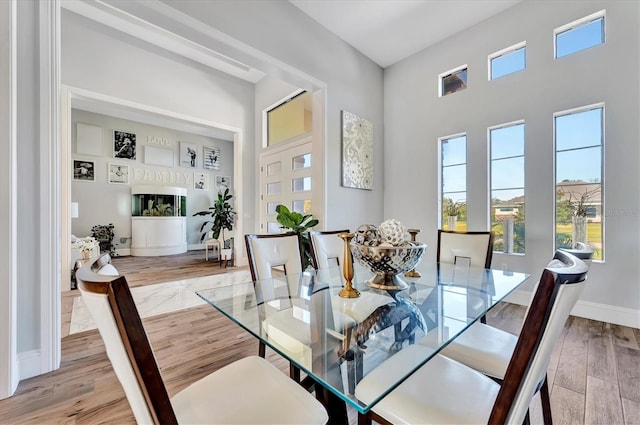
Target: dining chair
[
  {"x": 472, "y": 249},
  {"x": 327, "y": 249},
  {"x": 444, "y": 390},
  {"x": 212, "y": 243},
  {"x": 488, "y": 349},
  {"x": 250, "y": 390}
]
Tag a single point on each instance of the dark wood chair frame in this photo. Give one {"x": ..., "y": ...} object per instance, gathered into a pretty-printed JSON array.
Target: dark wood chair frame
[
  {"x": 533, "y": 329},
  {"x": 314, "y": 258}
]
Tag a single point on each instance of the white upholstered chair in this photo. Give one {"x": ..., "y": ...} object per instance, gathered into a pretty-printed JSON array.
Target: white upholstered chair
[
  {"x": 476, "y": 248},
  {"x": 489, "y": 350},
  {"x": 212, "y": 243},
  {"x": 327, "y": 248},
  {"x": 250, "y": 390},
  {"x": 446, "y": 391}
]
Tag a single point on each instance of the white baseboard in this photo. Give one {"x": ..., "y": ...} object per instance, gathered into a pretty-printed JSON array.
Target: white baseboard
[
  {"x": 590, "y": 310},
  {"x": 123, "y": 252},
  {"x": 29, "y": 364}
]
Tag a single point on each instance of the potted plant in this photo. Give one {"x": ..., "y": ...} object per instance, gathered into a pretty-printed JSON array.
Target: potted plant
[
  {"x": 579, "y": 202},
  {"x": 300, "y": 224},
  {"x": 451, "y": 211},
  {"x": 222, "y": 217}
]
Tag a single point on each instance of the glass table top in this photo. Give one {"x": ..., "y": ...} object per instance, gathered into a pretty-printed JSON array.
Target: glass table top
[{"x": 337, "y": 341}]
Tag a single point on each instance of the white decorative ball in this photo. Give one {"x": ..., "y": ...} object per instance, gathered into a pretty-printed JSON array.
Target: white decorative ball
[{"x": 393, "y": 232}]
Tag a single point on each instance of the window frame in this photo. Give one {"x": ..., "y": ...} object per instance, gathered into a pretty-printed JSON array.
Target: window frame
[
  {"x": 511, "y": 49},
  {"x": 577, "y": 24},
  {"x": 599, "y": 105},
  {"x": 440, "y": 172}
]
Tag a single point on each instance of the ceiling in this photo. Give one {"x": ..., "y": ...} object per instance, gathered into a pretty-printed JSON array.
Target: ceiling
[{"x": 388, "y": 31}]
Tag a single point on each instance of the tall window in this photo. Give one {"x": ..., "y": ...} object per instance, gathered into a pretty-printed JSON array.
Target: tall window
[
  {"x": 507, "y": 187},
  {"x": 579, "y": 138},
  {"x": 579, "y": 35},
  {"x": 453, "y": 178},
  {"x": 507, "y": 61}
]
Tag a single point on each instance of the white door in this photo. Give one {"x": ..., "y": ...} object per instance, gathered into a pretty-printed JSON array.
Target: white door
[{"x": 285, "y": 178}]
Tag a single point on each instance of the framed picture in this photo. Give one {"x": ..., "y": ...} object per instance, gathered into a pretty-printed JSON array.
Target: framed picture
[
  {"x": 223, "y": 182},
  {"x": 88, "y": 139},
  {"x": 154, "y": 155},
  {"x": 211, "y": 158},
  {"x": 118, "y": 174},
  {"x": 188, "y": 155},
  {"x": 124, "y": 145},
  {"x": 84, "y": 170},
  {"x": 201, "y": 181}
]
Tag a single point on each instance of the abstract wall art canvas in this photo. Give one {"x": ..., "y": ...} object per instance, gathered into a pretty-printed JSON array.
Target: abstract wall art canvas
[{"x": 357, "y": 151}]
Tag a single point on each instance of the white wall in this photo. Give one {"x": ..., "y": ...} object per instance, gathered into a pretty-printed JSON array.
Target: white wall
[
  {"x": 415, "y": 117},
  {"x": 114, "y": 206},
  {"x": 354, "y": 83}
]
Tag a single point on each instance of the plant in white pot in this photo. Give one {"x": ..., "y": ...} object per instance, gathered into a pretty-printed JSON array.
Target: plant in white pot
[
  {"x": 222, "y": 217},
  {"x": 451, "y": 211}
]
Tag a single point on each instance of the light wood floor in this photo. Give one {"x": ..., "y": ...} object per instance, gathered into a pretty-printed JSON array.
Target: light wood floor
[{"x": 594, "y": 371}]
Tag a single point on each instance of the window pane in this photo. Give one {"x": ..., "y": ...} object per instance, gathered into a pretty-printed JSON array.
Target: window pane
[
  {"x": 578, "y": 130},
  {"x": 454, "y": 82},
  {"x": 508, "y": 63},
  {"x": 454, "y": 151},
  {"x": 273, "y": 188},
  {"x": 508, "y": 220},
  {"x": 580, "y": 38},
  {"x": 507, "y": 173},
  {"x": 579, "y": 165},
  {"x": 274, "y": 169},
  {"x": 301, "y": 184},
  {"x": 302, "y": 161},
  {"x": 507, "y": 141},
  {"x": 273, "y": 227},
  {"x": 454, "y": 178},
  {"x": 271, "y": 207},
  {"x": 289, "y": 119},
  {"x": 302, "y": 207}
]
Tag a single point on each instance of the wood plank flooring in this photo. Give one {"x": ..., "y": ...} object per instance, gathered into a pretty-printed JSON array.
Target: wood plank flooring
[{"x": 594, "y": 373}]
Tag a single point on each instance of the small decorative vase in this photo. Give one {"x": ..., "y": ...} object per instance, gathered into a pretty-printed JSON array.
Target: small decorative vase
[
  {"x": 86, "y": 255},
  {"x": 578, "y": 229},
  {"x": 451, "y": 222}
]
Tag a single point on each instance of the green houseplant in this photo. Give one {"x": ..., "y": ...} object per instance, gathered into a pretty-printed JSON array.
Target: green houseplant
[
  {"x": 297, "y": 223},
  {"x": 222, "y": 217}
]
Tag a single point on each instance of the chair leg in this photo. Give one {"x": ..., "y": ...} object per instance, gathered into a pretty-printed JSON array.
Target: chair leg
[
  {"x": 294, "y": 372},
  {"x": 546, "y": 403},
  {"x": 262, "y": 349}
]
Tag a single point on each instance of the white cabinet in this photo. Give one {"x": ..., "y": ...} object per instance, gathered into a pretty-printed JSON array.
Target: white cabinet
[{"x": 152, "y": 236}]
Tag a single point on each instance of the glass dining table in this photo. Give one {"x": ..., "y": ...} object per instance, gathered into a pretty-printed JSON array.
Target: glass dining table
[{"x": 337, "y": 341}]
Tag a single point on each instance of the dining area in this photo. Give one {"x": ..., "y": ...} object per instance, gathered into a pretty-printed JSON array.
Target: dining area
[{"x": 390, "y": 336}]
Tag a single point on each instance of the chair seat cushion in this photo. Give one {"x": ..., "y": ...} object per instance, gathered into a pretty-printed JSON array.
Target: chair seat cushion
[
  {"x": 482, "y": 347},
  {"x": 248, "y": 391},
  {"x": 442, "y": 391}
]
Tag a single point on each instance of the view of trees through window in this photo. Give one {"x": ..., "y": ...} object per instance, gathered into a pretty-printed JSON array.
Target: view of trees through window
[
  {"x": 507, "y": 188},
  {"x": 453, "y": 192},
  {"x": 579, "y": 202}
]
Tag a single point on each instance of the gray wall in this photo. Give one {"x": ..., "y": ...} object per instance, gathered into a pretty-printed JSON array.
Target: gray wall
[
  {"x": 415, "y": 117},
  {"x": 114, "y": 204}
]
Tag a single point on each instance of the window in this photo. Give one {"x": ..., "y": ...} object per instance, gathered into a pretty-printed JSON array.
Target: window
[
  {"x": 579, "y": 138},
  {"x": 579, "y": 35},
  {"x": 453, "y": 178},
  {"x": 507, "y": 61},
  {"x": 289, "y": 119},
  {"x": 507, "y": 187},
  {"x": 452, "y": 81}
]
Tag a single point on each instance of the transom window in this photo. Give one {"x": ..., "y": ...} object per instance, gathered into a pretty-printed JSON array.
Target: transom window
[
  {"x": 452, "y": 81},
  {"x": 507, "y": 187},
  {"x": 579, "y": 35},
  {"x": 290, "y": 119},
  {"x": 579, "y": 139},
  {"x": 507, "y": 61},
  {"x": 453, "y": 178}
]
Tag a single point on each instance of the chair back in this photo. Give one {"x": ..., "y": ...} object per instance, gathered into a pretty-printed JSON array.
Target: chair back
[
  {"x": 327, "y": 249},
  {"x": 559, "y": 288},
  {"x": 582, "y": 250},
  {"x": 109, "y": 300},
  {"x": 474, "y": 247},
  {"x": 273, "y": 250}
]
